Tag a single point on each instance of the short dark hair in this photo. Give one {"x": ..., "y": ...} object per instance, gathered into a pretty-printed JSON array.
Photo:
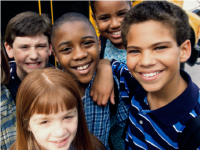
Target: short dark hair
[
  {"x": 69, "y": 18},
  {"x": 165, "y": 12},
  {"x": 27, "y": 24},
  {"x": 92, "y": 5}
]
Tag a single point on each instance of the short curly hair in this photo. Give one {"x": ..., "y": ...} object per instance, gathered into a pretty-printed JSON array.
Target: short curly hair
[{"x": 169, "y": 14}]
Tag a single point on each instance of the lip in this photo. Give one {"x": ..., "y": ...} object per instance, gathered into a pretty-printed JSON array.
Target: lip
[
  {"x": 61, "y": 144},
  {"x": 115, "y": 36},
  {"x": 84, "y": 71},
  {"x": 152, "y": 78},
  {"x": 33, "y": 66}
]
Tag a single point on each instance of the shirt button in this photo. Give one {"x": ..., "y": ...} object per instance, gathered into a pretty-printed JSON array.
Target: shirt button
[{"x": 141, "y": 122}]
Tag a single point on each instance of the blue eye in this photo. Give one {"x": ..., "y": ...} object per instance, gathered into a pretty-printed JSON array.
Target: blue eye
[
  {"x": 160, "y": 47},
  {"x": 24, "y": 47}
]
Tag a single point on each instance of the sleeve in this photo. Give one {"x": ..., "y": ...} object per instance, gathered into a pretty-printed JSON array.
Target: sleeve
[{"x": 126, "y": 87}]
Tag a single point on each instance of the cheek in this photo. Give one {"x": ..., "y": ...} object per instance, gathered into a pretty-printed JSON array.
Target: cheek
[
  {"x": 131, "y": 63},
  {"x": 72, "y": 127},
  {"x": 102, "y": 27},
  {"x": 44, "y": 55}
]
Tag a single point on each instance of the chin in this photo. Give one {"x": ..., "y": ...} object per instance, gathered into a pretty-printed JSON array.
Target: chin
[{"x": 151, "y": 88}]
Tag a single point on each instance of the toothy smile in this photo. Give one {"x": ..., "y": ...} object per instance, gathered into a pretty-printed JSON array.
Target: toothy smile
[
  {"x": 150, "y": 74},
  {"x": 33, "y": 64},
  {"x": 82, "y": 67},
  {"x": 116, "y": 33},
  {"x": 59, "y": 141}
]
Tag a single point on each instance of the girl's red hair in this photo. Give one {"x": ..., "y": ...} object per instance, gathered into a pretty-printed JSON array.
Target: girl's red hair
[{"x": 43, "y": 91}]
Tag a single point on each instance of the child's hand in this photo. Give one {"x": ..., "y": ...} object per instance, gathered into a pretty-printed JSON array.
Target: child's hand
[{"x": 103, "y": 85}]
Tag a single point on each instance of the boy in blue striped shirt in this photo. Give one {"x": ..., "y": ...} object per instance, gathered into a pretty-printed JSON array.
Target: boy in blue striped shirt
[{"x": 163, "y": 97}]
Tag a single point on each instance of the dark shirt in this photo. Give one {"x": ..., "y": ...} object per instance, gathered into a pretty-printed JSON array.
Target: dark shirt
[{"x": 14, "y": 82}]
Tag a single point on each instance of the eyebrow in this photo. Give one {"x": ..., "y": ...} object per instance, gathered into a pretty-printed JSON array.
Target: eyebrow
[
  {"x": 67, "y": 42},
  {"x": 153, "y": 45},
  {"x": 64, "y": 43},
  {"x": 102, "y": 15},
  {"x": 47, "y": 116},
  {"x": 85, "y": 37}
]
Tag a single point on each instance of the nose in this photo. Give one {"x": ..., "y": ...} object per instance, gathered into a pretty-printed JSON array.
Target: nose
[
  {"x": 79, "y": 53},
  {"x": 115, "y": 23},
  {"x": 147, "y": 59},
  {"x": 33, "y": 53},
  {"x": 59, "y": 130}
]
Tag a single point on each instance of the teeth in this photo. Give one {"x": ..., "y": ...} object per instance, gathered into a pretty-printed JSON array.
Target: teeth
[
  {"x": 59, "y": 141},
  {"x": 35, "y": 64},
  {"x": 116, "y": 33},
  {"x": 83, "y": 67},
  {"x": 150, "y": 74}
]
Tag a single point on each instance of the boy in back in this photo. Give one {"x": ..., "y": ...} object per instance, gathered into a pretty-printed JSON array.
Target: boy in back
[
  {"x": 27, "y": 40},
  {"x": 76, "y": 49},
  {"x": 163, "y": 97}
]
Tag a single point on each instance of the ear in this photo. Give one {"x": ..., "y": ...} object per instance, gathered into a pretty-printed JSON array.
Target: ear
[
  {"x": 99, "y": 44},
  {"x": 9, "y": 50},
  {"x": 55, "y": 56},
  {"x": 50, "y": 49},
  {"x": 185, "y": 51}
]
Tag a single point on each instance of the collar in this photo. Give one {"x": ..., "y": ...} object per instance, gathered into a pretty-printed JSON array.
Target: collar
[
  {"x": 13, "y": 72},
  {"x": 87, "y": 91},
  {"x": 179, "y": 107}
]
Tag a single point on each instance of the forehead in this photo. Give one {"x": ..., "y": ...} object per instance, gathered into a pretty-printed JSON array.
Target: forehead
[
  {"x": 106, "y": 7},
  {"x": 54, "y": 115},
  {"x": 73, "y": 31},
  {"x": 39, "y": 38},
  {"x": 149, "y": 32}
]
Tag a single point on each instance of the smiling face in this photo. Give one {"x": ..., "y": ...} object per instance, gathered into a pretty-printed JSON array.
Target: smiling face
[
  {"x": 30, "y": 53},
  {"x": 153, "y": 56},
  {"x": 108, "y": 17},
  {"x": 76, "y": 49},
  {"x": 55, "y": 131}
]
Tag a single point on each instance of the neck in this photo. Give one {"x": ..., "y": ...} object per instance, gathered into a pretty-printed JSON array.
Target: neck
[
  {"x": 82, "y": 88},
  {"x": 21, "y": 75},
  {"x": 119, "y": 46},
  {"x": 167, "y": 94}
]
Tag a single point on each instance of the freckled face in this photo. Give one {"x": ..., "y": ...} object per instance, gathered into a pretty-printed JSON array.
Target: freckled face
[
  {"x": 55, "y": 131},
  {"x": 77, "y": 50},
  {"x": 108, "y": 17},
  {"x": 153, "y": 56}
]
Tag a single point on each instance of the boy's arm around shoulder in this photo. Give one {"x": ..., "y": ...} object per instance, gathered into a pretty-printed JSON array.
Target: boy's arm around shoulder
[
  {"x": 103, "y": 85},
  {"x": 127, "y": 82}
]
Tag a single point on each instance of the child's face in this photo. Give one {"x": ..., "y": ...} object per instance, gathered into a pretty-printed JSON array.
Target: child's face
[
  {"x": 153, "y": 56},
  {"x": 30, "y": 53},
  {"x": 108, "y": 17},
  {"x": 55, "y": 131},
  {"x": 77, "y": 51}
]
